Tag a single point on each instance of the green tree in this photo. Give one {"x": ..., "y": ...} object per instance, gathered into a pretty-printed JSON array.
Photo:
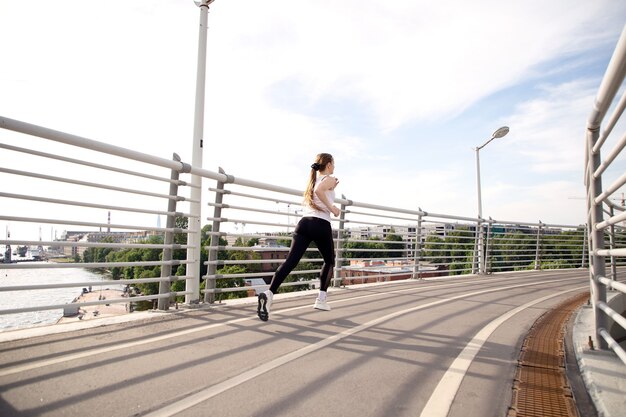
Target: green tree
[
  {"x": 366, "y": 250},
  {"x": 455, "y": 251},
  {"x": 563, "y": 249},
  {"x": 433, "y": 250},
  {"x": 145, "y": 255},
  {"x": 512, "y": 251},
  {"x": 395, "y": 245},
  {"x": 231, "y": 282},
  {"x": 96, "y": 254}
]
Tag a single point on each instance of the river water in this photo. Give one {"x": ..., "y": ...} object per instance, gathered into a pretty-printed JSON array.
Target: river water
[{"x": 16, "y": 299}]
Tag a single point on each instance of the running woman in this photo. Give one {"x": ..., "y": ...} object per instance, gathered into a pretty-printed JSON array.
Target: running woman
[{"x": 314, "y": 226}]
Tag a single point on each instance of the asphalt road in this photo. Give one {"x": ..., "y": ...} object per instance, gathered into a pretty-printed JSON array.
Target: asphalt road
[{"x": 417, "y": 348}]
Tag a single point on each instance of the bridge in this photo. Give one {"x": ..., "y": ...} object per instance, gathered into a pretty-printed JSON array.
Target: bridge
[
  {"x": 432, "y": 314},
  {"x": 431, "y": 347}
]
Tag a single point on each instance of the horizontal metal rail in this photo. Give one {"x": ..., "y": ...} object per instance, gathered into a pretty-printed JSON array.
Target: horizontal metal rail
[
  {"x": 92, "y": 265},
  {"x": 90, "y": 224},
  {"x": 93, "y": 165},
  {"x": 92, "y": 303},
  {"x": 91, "y": 205},
  {"x": 258, "y": 274},
  {"x": 612, "y": 284},
  {"x": 617, "y": 317},
  {"x": 227, "y": 290},
  {"x": 93, "y": 244},
  {"x": 85, "y": 284},
  {"x": 248, "y": 222},
  {"x": 81, "y": 142},
  {"x": 89, "y": 184},
  {"x": 254, "y": 196},
  {"x": 374, "y": 242},
  {"x": 612, "y": 344}
]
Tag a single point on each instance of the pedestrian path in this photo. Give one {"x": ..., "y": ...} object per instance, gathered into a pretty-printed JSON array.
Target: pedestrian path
[{"x": 430, "y": 347}]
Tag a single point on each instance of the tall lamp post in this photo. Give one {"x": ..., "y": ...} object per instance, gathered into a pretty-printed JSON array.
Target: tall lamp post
[
  {"x": 193, "y": 238},
  {"x": 481, "y": 256}
]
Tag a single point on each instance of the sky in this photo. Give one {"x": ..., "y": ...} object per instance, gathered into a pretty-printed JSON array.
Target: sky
[{"x": 400, "y": 92}]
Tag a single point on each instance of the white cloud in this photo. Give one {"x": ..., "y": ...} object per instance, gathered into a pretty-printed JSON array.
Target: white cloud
[
  {"x": 553, "y": 127},
  {"x": 554, "y": 202},
  {"x": 124, "y": 73},
  {"x": 407, "y": 60}
]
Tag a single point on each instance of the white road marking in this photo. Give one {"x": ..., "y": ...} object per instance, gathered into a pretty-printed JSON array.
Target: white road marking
[
  {"x": 440, "y": 400},
  {"x": 98, "y": 351},
  {"x": 210, "y": 392}
]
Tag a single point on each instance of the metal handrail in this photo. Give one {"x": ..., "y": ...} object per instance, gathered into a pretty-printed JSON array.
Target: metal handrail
[
  {"x": 423, "y": 244},
  {"x": 602, "y": 232},
  {"x": 86, "y": 163}
]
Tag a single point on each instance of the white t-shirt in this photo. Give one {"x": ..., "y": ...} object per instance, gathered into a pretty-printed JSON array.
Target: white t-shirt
[{"x": 325, "y": 212}]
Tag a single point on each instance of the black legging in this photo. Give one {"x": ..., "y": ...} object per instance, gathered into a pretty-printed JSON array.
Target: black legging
[{"x": 308, "y": 229}]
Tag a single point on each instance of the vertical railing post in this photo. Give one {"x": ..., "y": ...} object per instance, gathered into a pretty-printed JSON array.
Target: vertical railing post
[
  {"x": 487, "y": 247},
  {"x": 612, "y": 245},
  {"x": 417, "y": 274},
  {"x": 475, "y": 263},
  {"x": 582, "y": 262},
  {"x": 337, "y": 279},
  {"x": 209, "y": 297},
  {"x": 538, "y": 247},
  {"x": 597, "y": 267},
  {"x": 168, "y": 240}
]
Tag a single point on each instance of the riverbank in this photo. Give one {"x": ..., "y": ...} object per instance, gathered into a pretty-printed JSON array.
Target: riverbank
[
  {"x": 56, "y": 293},
  {"x": 89, "y": 312}
]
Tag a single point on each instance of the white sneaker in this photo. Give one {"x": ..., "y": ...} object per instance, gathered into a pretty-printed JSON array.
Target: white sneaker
[
  {"x": 264, "y": 304},
  {"x": 270, "y": 299},
  {"x": 321, "y": 305}
]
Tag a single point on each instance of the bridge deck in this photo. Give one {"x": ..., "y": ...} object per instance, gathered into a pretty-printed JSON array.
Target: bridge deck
[{"x": 430, "y": 348}]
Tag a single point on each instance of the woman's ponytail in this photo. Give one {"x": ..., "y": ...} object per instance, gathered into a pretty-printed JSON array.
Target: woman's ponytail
[{"x": 319, "y": 165}]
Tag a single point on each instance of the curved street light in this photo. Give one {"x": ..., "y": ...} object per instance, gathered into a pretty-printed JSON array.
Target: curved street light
[{"x": 501, "y": 132}]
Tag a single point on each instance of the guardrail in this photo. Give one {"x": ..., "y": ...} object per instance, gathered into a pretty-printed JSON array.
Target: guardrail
[
  {"x": 373, "y": 242},
  {"x": 606, "y": 234},
  {"x": 249, "y": 232}
]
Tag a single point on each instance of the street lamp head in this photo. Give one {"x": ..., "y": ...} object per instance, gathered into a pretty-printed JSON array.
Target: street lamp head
[
  {"x": 496, "y": 135},
  {"x": 500, "y": 132}
]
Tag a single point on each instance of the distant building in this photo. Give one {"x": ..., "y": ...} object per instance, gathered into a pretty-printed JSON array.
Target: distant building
[
  {"x": 366, "y": 271},
  {"x": 269, "y": 249},
  {"x": 96, "y": 237}
]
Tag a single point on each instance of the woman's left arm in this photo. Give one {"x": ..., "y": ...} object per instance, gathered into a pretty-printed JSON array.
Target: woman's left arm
[{"x": 328, "y": 183}]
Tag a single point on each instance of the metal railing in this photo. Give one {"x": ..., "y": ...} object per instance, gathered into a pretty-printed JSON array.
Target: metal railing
[
  {"x": 373, "y": 243},
  {"x": 606, "y": 219},
  {"x": 134, "y": 193},
  {"x": 248, "y": 234}
]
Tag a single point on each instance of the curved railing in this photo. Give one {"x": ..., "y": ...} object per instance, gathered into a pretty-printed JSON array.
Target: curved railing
[
  {"x": 604, "y": 180},
  {"x": 374, "y": 242}
]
